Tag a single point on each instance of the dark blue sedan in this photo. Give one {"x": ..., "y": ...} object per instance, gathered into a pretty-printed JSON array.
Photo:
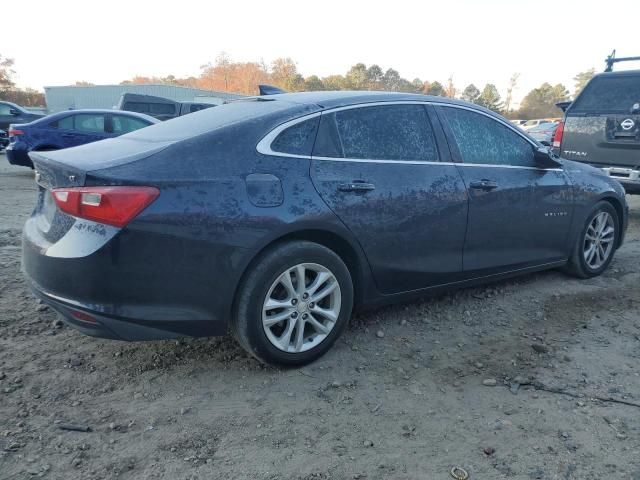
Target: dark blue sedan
[
  {"x": 70, "y": 129},
  {"x": 276, "y": 216}
]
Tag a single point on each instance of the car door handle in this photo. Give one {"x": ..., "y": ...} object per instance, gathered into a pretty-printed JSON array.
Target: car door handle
[
  {"x": 356, "y": 186},
  {"x": 67, "y": 135},
  {"x": 484, "y": 185}
]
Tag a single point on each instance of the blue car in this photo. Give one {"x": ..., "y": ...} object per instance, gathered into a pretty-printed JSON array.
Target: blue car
[
  {"x": 274, "y": 217},
  {"x": 70, "y": 129}
]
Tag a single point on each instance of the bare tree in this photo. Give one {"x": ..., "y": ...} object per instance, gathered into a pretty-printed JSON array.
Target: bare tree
[{"x": 513, "y": 82}]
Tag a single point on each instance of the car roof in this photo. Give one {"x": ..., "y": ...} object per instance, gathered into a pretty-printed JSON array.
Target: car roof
[
  {"x": 620, "y": 73},
  {"x": 65, "y": 113},
  {"x": 343, "y": 98}
]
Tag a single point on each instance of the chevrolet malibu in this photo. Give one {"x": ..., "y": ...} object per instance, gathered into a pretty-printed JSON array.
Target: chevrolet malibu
[{"x": 275, "y": 217}]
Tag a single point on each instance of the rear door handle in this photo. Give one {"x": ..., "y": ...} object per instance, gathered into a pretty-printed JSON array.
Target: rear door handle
[
  {"x": 484, "y": 185},
  {"x": 68, "y": 135},
  {"x": 356, "y": 186}
]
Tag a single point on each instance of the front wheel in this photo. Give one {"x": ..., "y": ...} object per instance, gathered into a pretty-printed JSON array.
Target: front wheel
[
  {"x": 596, "y": 243},
  {"x": 294, "y": 304}
]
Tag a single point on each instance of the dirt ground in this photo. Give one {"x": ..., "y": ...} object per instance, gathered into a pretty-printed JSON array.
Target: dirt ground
[{"x": 402, "y": 394}]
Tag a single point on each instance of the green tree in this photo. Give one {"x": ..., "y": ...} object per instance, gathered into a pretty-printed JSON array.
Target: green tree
[
  {"x": 490, "y": 98},
  {"x": 334, "y": 82},
  {"x": 581, "y": 80},
  {"x": 418, "y": 85},
  {"x": 313, "y": 83},
  {"x": 541, "y": 102},
  {"x": 471, "y": 93},
  {"x": 436, "y": 89},
  {"x": 391, "y": 80},
  {"x": 375, "y": 76},
  {"x": 357, "y": 77}
]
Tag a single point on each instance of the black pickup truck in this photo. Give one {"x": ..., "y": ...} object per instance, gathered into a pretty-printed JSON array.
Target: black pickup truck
[
  {"x": 602, "y": 125},
  {"x": 159, "y": 107},
  {"x": 12, "y": 113}
]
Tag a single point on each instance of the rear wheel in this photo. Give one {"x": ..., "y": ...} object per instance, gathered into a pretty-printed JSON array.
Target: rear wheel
[
  {"x": 596, "y": 243},
  {"x": 294, "y": 304}
]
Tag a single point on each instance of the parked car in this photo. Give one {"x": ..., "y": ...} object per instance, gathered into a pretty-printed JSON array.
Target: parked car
[
  {"x": 544, "y": 132},
  {"x": 12, "y": 113},
  {"x": 70, "y": 129},
  {"x": 518, "y": 123},
  {"x": 602, "y": 127},
  {"x": 529, "y": 124},
  {"x": 277, "y": 218},
  {"x": 4, "y": 140},
  {"x": 158, "y": 107}
]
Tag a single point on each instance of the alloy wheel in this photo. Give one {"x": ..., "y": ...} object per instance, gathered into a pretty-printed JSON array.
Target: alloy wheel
[
  {"x": 598, "y": 240},
  {"x": 301, "y": 307}
]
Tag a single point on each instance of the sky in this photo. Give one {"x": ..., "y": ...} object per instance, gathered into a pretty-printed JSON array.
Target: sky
[{"x": 484, "y": 41}]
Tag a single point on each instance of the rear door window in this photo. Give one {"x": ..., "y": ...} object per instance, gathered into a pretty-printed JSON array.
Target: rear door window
[
  {"x": 483, "y": 140},
  {"x": 386, "y": 132},
  {"x": 122, "y": 124},
  {"x": 614, "y": 94},
  {"x": 139, "y": 107},
  {"x": 89, "y": 123}
]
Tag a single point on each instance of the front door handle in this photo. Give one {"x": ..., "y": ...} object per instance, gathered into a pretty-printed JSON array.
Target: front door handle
[
  {"x": 356, "y": 186},
  {"x": 484, "y": 185},
  {"x": 68, "y": 135}
]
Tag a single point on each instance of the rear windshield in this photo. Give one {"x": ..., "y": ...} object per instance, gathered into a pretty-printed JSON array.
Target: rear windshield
[
  {"x": 615, "y": 94},
  {"x": 207, "y": 120}
]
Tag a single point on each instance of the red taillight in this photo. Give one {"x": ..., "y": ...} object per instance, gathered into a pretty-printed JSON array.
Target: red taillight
[
  {"x": 115, "y": 206},
  {"x": 557, "y": 137},
  {"x": 14, "y": 132},
  {"x": 85, "y": 317}
]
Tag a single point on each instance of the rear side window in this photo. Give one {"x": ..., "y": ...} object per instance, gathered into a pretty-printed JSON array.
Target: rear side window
[
  {"x": 482, "y": 140},
  {"x": 139, "y": 107},
  {"x": 124, "y": 124},
  {"x": 386, "y": 132},
  {"x": 196, "y": 107},
  {"x": 609, "y": 94},
  {"x": 297, "y": 139},
  {"x": 87, "y": 122},
  {"x": 162, "y": 109}
]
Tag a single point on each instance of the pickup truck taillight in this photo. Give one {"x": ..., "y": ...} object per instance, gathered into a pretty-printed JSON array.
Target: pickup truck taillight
[
  {"x": 112, "y": 205},
  {"x": 13, "y": 132},
  {"x": 557, "y": 137}
]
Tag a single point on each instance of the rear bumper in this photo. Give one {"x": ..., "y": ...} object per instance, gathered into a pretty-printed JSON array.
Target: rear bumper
[
  {"x": 89, "y": 321},
  {"x": 137, "y": 286},
  {"x": 628, "y": 177},
  {"x": 18, "y": 156}
]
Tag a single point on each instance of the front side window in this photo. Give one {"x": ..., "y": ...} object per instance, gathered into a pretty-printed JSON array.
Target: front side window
[
  {"x": 5, "y": 109},
  {"x": 123, "y": 124},
  {"x": 297, "y": 139},
  {"x": 386, "y": 132},
  {"x": 483, "y": 140},
  {"x": 89, "y": 123}
]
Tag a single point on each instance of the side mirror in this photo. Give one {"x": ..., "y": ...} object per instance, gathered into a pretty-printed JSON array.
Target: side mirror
[
  {"x": 545, "y": 159},
  {"x": 545, "y": 143},
  {"x": 13, "y": 111}
]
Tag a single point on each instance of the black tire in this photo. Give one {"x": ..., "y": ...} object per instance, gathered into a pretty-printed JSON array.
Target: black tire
[
  {"x": 246, "y": 325},
  {"x": 577, "y": 265}
]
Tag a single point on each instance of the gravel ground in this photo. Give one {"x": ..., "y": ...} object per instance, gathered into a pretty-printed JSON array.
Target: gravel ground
[{"x": 523, "y": 379}]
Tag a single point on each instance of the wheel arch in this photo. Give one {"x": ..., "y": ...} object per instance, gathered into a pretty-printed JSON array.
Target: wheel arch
[
  {"x": 617, "y": 205},
  {"x": 349, "y": 253}
]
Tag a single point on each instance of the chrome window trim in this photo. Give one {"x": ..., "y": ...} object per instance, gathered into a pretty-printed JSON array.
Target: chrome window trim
[{"x": 264, "y": 145}]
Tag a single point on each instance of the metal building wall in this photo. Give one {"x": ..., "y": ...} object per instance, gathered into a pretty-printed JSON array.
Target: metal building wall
[{"x": 107, "y": 96}]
